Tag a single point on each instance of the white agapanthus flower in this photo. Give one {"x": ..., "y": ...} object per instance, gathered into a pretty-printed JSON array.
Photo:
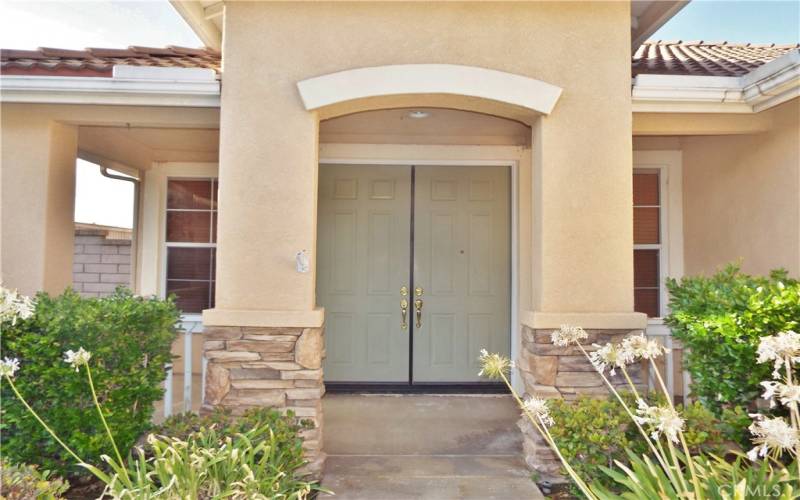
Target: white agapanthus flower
[
  {"x": 772, "y": 436},
  {"x": 610, "y": 355},
  {"x": 538, "y": 408},
  {"x": 779, "y": 348},
  {"x": 14, "y": 306},
  {"x": 567, "y": 335},
  {"x": 77, "y": 358},
  {"x": 494, "y": 365},
  {"x": 8, "y": 367},
  {"x": 661, "y": 419},
  {"x": 786, "y": 393},
  {"x": 640, "y": 347}
]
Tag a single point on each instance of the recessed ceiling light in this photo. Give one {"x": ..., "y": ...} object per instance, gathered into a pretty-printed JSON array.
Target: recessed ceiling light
[{"x": 418, "y": 114}]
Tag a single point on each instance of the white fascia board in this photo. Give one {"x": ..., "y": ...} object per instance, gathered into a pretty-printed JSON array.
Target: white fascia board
[
  {"x": 145, "y": 86},
  {"x": 773, "y": 83},
  {"x": 765, "y": 87}
]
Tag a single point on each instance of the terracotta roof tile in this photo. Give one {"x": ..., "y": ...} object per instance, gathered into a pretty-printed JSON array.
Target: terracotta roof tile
[
  {"x": 98, "y": 62},
  {"x": 702, "y": 58}
]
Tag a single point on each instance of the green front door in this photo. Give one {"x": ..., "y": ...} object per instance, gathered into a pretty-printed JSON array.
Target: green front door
[{"x": 413, "y": 271}]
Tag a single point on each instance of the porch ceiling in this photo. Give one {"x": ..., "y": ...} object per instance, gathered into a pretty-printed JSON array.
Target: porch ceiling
[
  {"x": 139, "y": 147},
  {"x": 441, "y": 126}
]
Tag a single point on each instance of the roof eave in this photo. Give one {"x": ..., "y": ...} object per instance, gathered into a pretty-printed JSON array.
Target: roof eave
[
  {"x": 130, "y": 85},
  {"x": 652, "y": 19},
  {"x": 766, "y": 87},
  {"x": 194, "y": 14}
]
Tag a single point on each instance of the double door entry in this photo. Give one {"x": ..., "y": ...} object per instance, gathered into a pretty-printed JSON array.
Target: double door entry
[{"x": 413, "y": 270}]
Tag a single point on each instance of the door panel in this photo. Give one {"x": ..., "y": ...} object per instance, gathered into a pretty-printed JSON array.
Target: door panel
[
  {"x": 363, "y": 260},
  {"x": 462, "y": 261}
]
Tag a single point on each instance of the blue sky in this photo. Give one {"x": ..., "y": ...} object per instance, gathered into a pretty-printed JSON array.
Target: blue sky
[
  {"x": 735, "y": 21},
  {"x": 104, "y": 23}
]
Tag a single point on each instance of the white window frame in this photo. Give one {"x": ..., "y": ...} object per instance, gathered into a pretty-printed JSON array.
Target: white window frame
[
  {"x": 151, "y": 249},
  {"x": 166, "y": 245},
  {"x": 669, "y": 166},
  {"x": 662, "y": 246}
]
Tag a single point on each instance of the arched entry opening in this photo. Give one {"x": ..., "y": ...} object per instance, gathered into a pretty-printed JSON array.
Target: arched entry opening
[{"x": 418, "y": 231}]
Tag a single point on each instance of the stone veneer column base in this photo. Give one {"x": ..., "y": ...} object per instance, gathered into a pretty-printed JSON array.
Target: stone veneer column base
[
  {"x": 549, "y": 371},
  {"x": 281, "y": 368}
]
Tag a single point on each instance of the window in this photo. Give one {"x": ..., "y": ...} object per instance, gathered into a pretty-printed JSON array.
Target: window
[
  {"x": 647, "y": 242},
  {"x": 191, "y": 235}
]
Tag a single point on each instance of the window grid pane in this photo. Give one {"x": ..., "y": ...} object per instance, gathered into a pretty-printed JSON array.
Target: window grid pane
[
  {"x": 646, "y": 300},
  {"x": 194, "y": 194},
  {"x": 646, "y": 282}
]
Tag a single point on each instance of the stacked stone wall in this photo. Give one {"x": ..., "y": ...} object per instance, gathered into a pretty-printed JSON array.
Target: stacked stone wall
[
  {"x": 550, "y": 371},
  {"x": 281, "y": 368}
]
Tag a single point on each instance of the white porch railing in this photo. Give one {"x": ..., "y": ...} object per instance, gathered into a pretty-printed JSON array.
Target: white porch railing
[
  {"x": 675, "y": 377},
  {"x": 186, "y": 374}
]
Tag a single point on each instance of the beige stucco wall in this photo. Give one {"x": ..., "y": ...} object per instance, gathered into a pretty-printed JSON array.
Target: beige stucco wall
[
  {"x": 581, "y": 211},
  {"x": 40, "y": 143},
  {"x": 37, "y": 180},
  {"x": 742, "y": 197}
]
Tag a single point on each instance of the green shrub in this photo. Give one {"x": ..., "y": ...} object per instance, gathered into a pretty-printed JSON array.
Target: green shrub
[
  {"x": 256, "y": 456},
  {"x": 284, "y": 426},
  {"x": 130, "y": 339},
  {"x": 721, "y": 319},
  {"x": 25, "y": 482},
  {"x": 594, "y": 432}
]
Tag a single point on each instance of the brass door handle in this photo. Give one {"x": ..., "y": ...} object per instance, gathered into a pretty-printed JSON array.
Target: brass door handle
[
  {"x": 418, "y": 311},
  {"x": 404, "y": 314}
]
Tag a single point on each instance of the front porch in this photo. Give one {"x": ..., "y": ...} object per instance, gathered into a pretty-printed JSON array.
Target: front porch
[
  {"x": 249, "y": 364},
  {"x": 424, "y": 446}
]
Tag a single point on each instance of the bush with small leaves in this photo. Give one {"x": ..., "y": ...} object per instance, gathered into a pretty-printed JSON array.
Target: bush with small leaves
[
  {"x": 130, "y": 339},
  {"x": 593, "y": 432},
  {"x": 24, "y": 482},
  {"x": 721, "y": 320}
]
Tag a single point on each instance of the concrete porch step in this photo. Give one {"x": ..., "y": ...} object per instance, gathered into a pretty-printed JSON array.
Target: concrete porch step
[
  {"x": 362, "y": 477},
  {"x": 364, "y": 424},
  {"x": 429, "y": 447}
]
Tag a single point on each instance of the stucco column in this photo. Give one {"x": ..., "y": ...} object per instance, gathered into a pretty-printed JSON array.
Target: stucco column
[
  {"x": 268, "y": 192},
  {"x": 38, "y": 202},
  {"x": 582, "y": 257},
  {"x": 264, "y": 336}
]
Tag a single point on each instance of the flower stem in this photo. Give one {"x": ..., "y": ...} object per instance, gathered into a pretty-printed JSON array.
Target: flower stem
[
  {"x": 105, "y": 424},
  {"x": 630, "y": 383},
  {"x": 689, "y": 460},
  {"x": 678, "y": 470},
  {"x": 39, "y": 419},
  {"x": 661, "y": 459},
  {"x": 793, "y": 411},
  {"x": 542, "y": 429}
]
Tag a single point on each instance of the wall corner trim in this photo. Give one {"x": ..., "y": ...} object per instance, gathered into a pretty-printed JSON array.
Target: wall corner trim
[
  {"x": 313, "y": 318},
  {"x": 587, "y": 320}
]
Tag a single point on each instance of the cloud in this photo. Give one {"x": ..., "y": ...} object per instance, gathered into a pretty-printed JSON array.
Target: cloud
[{"x": 76, "y": 25}]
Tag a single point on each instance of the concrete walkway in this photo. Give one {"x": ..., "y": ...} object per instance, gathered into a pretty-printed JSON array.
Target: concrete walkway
[{"x": 436, "y": 447}]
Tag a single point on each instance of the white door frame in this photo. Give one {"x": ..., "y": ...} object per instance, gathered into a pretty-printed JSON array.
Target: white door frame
[{"x": 514, "y": 166}]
